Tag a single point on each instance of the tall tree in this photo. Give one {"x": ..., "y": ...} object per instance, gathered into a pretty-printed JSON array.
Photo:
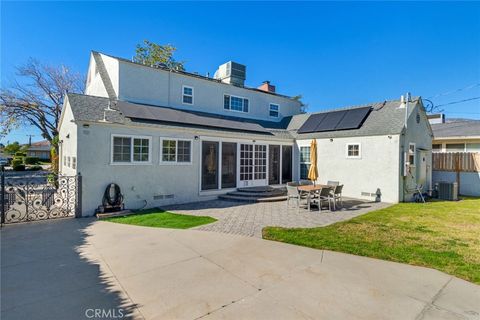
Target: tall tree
[
  {"x": 152, "y": 54},
  {"x": 36, "y": 97}
]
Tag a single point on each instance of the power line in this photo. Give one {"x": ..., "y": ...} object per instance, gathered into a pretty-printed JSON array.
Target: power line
[
  {"x": 455, "y": 91},
  {"x": 459, "y": 101}
]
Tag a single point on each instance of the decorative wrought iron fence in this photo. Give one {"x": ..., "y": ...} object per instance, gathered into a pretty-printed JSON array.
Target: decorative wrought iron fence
[{"x": 38, "y": 197}]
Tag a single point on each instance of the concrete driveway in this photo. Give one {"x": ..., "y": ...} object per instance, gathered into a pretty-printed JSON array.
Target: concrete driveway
[{"x": 87, "y": 269}]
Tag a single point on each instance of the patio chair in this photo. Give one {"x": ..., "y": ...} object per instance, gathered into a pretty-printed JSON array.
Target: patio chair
[
  {"x": 306, "y": 182},
  {"x": 293, "y": 193},
  {"x": 337, "y": 195},
  {"x": 325, "y": 194},
  {"x": 293, "y": 183},
  {"x": 333, "y": 183}
]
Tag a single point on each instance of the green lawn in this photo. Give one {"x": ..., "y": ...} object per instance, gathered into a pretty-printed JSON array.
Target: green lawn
[
  {"x": 162, "y": 219},
  {"x": 440, "y": 234}
]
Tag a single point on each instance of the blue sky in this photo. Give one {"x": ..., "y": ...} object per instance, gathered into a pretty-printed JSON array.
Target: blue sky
[{"x": 334, "y": 54}]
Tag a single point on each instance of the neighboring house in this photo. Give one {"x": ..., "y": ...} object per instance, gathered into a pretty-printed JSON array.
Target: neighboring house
[
  {"x": 40, "y": 149},
  {"x": 168, "y": 137},
  {"x": 457, "y": 135},
  {"x": 460, "y": 135}
]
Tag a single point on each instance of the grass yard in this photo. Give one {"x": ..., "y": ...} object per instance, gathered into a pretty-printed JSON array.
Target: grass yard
[
  {"x": 162, "y": 219},
  {"x": 440, "y": 234}
]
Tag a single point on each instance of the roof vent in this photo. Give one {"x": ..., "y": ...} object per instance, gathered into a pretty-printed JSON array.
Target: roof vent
[{"x": 231, "y": 73}]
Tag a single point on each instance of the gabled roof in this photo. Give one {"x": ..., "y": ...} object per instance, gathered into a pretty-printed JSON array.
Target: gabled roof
[
  {"x": 107, "y": 82},
  {"x": 386, "y": 118},
  {"x": 456, "y": 129}
]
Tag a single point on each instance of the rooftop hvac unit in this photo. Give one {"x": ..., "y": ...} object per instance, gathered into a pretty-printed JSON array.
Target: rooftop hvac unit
[
  {"x": 232, "y": 73},
  {"x": 448, "y": 191}
]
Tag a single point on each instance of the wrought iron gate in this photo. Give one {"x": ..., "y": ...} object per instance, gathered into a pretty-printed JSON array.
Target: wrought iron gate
[{"x": 38, "y": 197}]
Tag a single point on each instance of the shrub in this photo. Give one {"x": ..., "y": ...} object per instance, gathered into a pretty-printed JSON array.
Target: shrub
[
  {"x": 35, "y": 168},
  {"x": 20, "y": 154},
  {"x": 17, "y": 165},
  {"x": 31, "y": 160}
]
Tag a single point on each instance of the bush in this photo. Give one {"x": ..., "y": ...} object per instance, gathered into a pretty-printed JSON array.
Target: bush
[
  {"x": 31, "y": 160},
  {"x": 18, "y": 165},
  {"x": 35, "y": 168},
  {"x": 20, "y": 154}
]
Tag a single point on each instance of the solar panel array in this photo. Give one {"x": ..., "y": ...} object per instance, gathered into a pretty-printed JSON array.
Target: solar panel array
[{"x": 335, "y": 120}]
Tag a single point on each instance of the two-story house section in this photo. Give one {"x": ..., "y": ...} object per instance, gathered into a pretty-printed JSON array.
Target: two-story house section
[
  {"x": 167, "y": 136},
  {"x": 224, "y": 93}
]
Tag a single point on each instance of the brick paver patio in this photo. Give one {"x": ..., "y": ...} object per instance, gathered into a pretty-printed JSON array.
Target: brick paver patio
[{"x": 249, "y": 219}]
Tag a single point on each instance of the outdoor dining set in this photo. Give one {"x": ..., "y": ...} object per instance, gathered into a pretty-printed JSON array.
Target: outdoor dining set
[{"x": 315, "y": 194}]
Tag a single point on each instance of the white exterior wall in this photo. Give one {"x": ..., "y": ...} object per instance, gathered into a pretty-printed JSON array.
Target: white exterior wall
[
  {"x": 159, "y": 87},
  {"x": 140, "y": 182},
  {"x": 418, "y": 133},
  {"x": 377, "y": 167},
  {"x": 68, "y": 146}
]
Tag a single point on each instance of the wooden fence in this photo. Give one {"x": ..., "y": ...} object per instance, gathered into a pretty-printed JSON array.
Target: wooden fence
[{"x": 456, "y": 161}]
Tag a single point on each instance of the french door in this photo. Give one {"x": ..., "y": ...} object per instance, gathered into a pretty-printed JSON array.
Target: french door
[{"x": 253, "y": 165}]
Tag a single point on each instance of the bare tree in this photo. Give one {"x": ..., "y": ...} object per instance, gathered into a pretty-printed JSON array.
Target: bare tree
[{"x": 36, "y": 97}]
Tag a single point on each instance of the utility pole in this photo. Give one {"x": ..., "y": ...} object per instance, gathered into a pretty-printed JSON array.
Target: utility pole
[{"x": 30, "y": 138}]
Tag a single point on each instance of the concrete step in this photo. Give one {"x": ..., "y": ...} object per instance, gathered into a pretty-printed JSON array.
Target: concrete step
[
  {"x": 262, "y": 189},
  {"x": 256, "y": 194},
  {"x": 252, "y": 199}
]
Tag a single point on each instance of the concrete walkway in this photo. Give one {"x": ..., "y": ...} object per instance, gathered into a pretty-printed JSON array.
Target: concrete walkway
[
  {"x": 78, "y": 268},
  {"x": 249, "y": 219}
]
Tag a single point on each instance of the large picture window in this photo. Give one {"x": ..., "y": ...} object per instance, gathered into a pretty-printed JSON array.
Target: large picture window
[
  {"x": 235, "y": 103},
  {"x": 130, "y": 149},
  {"x": 176, "y": 151},
  {"x": 304, "y": 162}
]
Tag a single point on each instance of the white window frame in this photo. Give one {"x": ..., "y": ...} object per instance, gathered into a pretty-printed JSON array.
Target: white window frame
[
  {"x": 277, "y": 111},
  {"x": 410, "y": 153},
  {"x": 359, "y": 150},
  {"x": 192, "y": 95},
  {"x": 308, "y": 162},
  {"x": 131, "y": 162},
  {"x": 176, "y": 151},
  {"x": 230, "y": 103}
]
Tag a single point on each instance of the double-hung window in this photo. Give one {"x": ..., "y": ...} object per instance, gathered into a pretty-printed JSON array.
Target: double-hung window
[
  {"x": 274, "y": 108},
  {"x": 131, "y": 149},
  {"x": 235, "y": 103},
  {"x": 304, "y": 162},
  {"x": 354, "y": 151},
  {"x": 176, "y": 151},
  {"x": 187, "y": 95}
]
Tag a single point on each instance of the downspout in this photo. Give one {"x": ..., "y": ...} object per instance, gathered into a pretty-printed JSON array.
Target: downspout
[{"x": 168, "y": 95}]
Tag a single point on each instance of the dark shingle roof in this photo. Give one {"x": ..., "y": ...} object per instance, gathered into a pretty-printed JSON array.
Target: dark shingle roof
[
  {"x": 456, "y": 129},
  {"x": 386, "y": 118}
]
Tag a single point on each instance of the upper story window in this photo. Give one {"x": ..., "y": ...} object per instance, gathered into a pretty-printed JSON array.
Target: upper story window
[
  {"x": 235, "y": 103},
  {"x": 187, "y": 95},
  {"x": 176, "y": 151},
  {"x": 353, "y": 150},
  {"x": 130, "y": 149},
  {"x": 274, "y": 110}
]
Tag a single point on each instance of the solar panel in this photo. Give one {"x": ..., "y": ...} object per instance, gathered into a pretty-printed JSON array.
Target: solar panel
[
  {"x": 335, "y": 120},
  {"x": 162, "y": 114},
  {"x": 312, "y": 123},
  {"x": 331, "y": 121},
  {"x": 353, "y": 119}
]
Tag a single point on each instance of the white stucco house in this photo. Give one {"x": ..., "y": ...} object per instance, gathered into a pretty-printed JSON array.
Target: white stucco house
[{"x": 168, "y": 136}]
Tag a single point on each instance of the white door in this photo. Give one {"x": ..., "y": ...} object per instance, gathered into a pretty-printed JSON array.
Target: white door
[{"x": 253, "y": 165}]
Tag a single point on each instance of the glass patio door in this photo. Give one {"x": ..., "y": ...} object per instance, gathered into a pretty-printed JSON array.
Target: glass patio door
[
  {"x": 253, "y": 165},
  {"x": 273, "y": 164}
]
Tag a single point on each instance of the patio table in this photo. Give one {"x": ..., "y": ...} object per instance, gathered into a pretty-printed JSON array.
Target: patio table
[{"x": 311, "y": 189}]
